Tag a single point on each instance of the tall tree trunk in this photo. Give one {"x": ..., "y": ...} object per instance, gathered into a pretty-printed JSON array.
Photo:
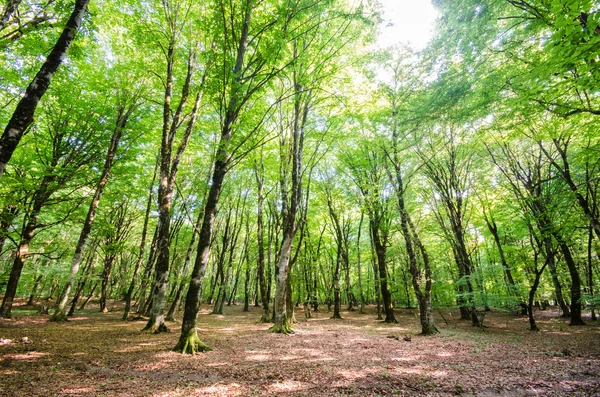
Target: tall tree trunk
[
  {"x": 108, "y": 262},
  {"x": 22, "y": 117},
  {"x": 30, "y": 224},
  {"x": 358, "y": 264},
  {"x": 381, "y": 254},
  {"x": 590, "y": 273},
  {"x": 290, "y": 210},
  {"x": 168, "y": 169},
  {"x": 188, "y": 260},
  {"x": 142, "y": 248},
  {"x": 377, "y": 285},
  {"x": 124, "y": 112},
  {"x": 412, "y": 242},
  {"x": 9, "y": 213},
  {"x": 575, "y": 281},
  {"x": 337, "y": 294},
  {"x": 34, "y": 290},
  {"x": 549, "y": 251},
  {"x": 147, "y": 276},
  {"x": 90, "y": 296},
  {"x": 511, "y": 286},
  {"x": 81, "y": 285},
  {"x": 259, "y": 174}
]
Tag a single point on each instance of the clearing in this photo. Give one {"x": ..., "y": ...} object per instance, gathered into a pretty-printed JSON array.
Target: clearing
[{"x": 99, "y": 355}]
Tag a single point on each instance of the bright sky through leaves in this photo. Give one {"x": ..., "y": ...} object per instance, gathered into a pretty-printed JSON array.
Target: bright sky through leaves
[{"x": 408, "y": 21}]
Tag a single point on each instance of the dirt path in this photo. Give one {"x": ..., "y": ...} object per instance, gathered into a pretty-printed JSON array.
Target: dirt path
[{"x": 100, "y": 355}]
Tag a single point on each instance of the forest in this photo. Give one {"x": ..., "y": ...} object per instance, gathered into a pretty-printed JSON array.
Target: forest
[{"x": 254, "y": 197}]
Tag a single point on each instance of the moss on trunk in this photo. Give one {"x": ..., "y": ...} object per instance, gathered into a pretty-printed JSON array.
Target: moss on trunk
[
  {"x": 282, "y": 328},
  {"x": 59, "y": 316},
  {"x": 190, "y": 344},
  {"x": 155, "y": 327}
]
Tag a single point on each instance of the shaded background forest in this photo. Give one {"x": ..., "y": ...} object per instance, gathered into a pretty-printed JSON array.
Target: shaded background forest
[{"x": 264, "y": 153}]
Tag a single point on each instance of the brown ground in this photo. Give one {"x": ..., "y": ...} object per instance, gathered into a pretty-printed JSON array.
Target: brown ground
[{"x": 100, "y": 355}]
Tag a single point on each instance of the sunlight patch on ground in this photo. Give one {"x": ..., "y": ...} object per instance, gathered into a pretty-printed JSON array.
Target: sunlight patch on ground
[
  {"x": 438, "y": 374},
  {"x": 257, "y": 357},
  {"x": 351, "y": 374},
  {"x": 30, "y": 356},
  {"x": 288, "y": 358},
  {"x": 219, "y": 389},
  {"x": 409, "y": 371},
  {"x": 391, "y": 329},
  {"x": 287, "y": 386},
  {"x": 128, "y": 349},
  {"x": 153, "y": 366},
  {"x": 79, "y": 391},
  {"x": 218, "y": 364},
  {"x": 405, "y": 358}
]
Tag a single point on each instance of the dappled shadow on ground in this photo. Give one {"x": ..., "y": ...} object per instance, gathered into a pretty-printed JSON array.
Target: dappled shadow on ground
[{"x": 101, "y": 355}]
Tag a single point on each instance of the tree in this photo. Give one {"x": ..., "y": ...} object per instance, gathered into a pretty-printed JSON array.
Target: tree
[
  {"x": 449, "y": 170},
  {"x": 23, "y": 115},
  {"x": 368, "y": 174},
  {"x": 124, "y": 111},
  {"x": 73, "y": 147}
]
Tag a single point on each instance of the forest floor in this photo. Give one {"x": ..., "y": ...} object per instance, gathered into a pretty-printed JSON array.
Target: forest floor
[{"x": 97, "y": 354}]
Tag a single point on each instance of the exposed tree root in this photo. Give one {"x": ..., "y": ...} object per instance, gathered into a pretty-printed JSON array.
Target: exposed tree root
[
  {"x": 59, "y": 316},
  {"x": 282, "y": 328},
  {"x": 155, "y": 328},
  {"x": 191, "y": 344},
  {"x": 265, "y": 318},
  {"x": 429, "y": 331}
]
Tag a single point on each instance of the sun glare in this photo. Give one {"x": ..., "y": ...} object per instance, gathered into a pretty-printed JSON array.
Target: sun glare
[{"x": 407, "y": 21}]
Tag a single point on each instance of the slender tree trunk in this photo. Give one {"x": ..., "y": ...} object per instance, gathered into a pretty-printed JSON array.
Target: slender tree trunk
[
  {"x": 9, "y": 213},
  {"x": 590, "y": 273},
  {"x": 108, "y": 263},
  {"x": 511, "y": 286},
  {"x": 22, "y": 252},
  {"x": 142, "y": 248},
  {"x": 188, "y": 260},
  {"x": 555, "y": 281},
  {"x": 23, "y": 115},
  {"x": 143, "y": 295},
  {"x": 536, "y": 282},
  {"x": 380, "y": 252},
  {"x": 90, "y": 295},
  {"x": 289, "y": 213},
  {"x": 81, "y": 285},
  {"x": 168, "y": 169},
  {"x": 358, "y": 264},
  {"x": 575, "y": 282},
  {"x": 259, "y": 172},
  {"x": 247, "y": 288},
  {"x": 376, "y": 283},
  {"x": 123, "y": 116},
  {"x": 337, "y": 294}
]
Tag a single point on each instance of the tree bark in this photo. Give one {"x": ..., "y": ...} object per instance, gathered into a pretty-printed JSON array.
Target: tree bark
[
  {"x": 124, "y": 112},
  {"x": 381, "y": 254},
  {"x": 142, "y": 249},
  {"x": 259, "y": 174},
  {"x": 169, "y": 166},
  {"x": 22, "y": 117},
  {"x": 31, "y": 223}
]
